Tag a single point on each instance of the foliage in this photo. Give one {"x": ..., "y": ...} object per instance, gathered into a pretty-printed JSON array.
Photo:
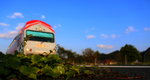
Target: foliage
[
  {"x": 52, "y": 67},
  {"x": 91, "y": 57},
  {"x": 88, "y": 56},
  {"x": 115, "y": 55},
  {"x": 130, "y": 53},
  {"x": 35, "y": 67},
  {"x": 146, "y": 55},
  {"x": 66, "y": 55}
]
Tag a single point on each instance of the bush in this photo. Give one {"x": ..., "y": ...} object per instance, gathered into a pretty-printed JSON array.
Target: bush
[{"x": 22, "y": 67}]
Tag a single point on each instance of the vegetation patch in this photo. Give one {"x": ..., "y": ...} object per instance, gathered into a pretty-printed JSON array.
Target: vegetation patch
[{"x": 50, "y": 67}]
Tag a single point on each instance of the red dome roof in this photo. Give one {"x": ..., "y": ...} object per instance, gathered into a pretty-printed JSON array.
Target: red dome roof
[{"x": 35, "y": 22}]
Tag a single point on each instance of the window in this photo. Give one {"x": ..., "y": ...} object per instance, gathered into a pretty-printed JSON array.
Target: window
[{"x": 40, "y": 36}]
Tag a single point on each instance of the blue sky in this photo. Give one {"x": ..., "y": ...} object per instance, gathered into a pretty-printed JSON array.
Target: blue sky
[{"x": 104, "y": 25}]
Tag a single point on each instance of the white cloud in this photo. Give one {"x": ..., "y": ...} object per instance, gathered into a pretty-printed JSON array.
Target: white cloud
[
  {"x": 90, "y": 30},
  {"x": 147, "y": 29},
  {"x": 10, "y": 34},
  {"x": 105, "y": 46},
  {"x": 16, "y": 15},
  {"x": 109, "y": 36},
  {"x": 113, "y": 36},
  {"x": 43, "y": 17},
  {"x": 104, "y": 36},
  {"x": 13, "y": 33},
  {"x": 130, "y": 29},
  {"x": 90, "y": 36},
  {"x": 3, "y": 24},
  {"x": 58, "y": 25},
  {"x": 20, "y": 26}
]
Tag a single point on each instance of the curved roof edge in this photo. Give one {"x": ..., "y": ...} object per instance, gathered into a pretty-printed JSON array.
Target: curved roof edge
[{"x": 34, "y": 22}]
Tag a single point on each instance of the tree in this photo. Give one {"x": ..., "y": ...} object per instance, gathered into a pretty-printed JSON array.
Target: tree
[
  {"x": 71, "y": 56},
  {"x": 88, "y": 54},
  {"x": 104, "y": 56},
  {"x": 96, "y": 57},
  {"x": 91, "y": 56},
  {"x": 146, "y": 55},
  {"x": 79, "y": 59},
  {"x": 129, "y": 54},
  {"x": 67, "y": 55},
  {"x": 1, "y": 52},
  {"x": 61, "y": 51},
  {"x": 115, "y": 55}
]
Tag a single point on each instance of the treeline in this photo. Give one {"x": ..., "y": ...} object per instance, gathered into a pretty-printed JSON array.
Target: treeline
[{"x": 128, "y": 54}]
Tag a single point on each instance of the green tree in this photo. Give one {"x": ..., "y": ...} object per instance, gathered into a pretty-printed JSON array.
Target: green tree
[
  {"x": 115, "y": 55},
  {"x": 71, "y": 56},
  {"x": 91, "y": 56},
  {"x": 79, "y": 59},
  {"x": 67, "y": 55},
  {"x": 88, "y": 54},
  {"x": 1, "y": 52},
  {"x": 129, "y": 54},
  {"x": 146, "y": 55},
  {"x": 61, "y": 52},
  {"x": 96, "y": 57}
]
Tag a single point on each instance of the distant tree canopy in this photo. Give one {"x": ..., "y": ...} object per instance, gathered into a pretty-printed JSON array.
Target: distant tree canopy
[
  {"x": 65, "y": 54},
  {"x": 146, "y": 55},
  {"x": 127, "y": 53},
  {"x": 91, "y": 56},
  {"x": 130, "y": 53},
  {"x": 115, "y": 55},
  {"x": 88, "y": 56},
  {"x": 1, "y": 52}
]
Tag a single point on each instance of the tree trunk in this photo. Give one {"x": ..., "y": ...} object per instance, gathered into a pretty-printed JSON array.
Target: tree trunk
[
  {"x": 95, "y": 61},
  {"x": 126, "y": 59}
]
